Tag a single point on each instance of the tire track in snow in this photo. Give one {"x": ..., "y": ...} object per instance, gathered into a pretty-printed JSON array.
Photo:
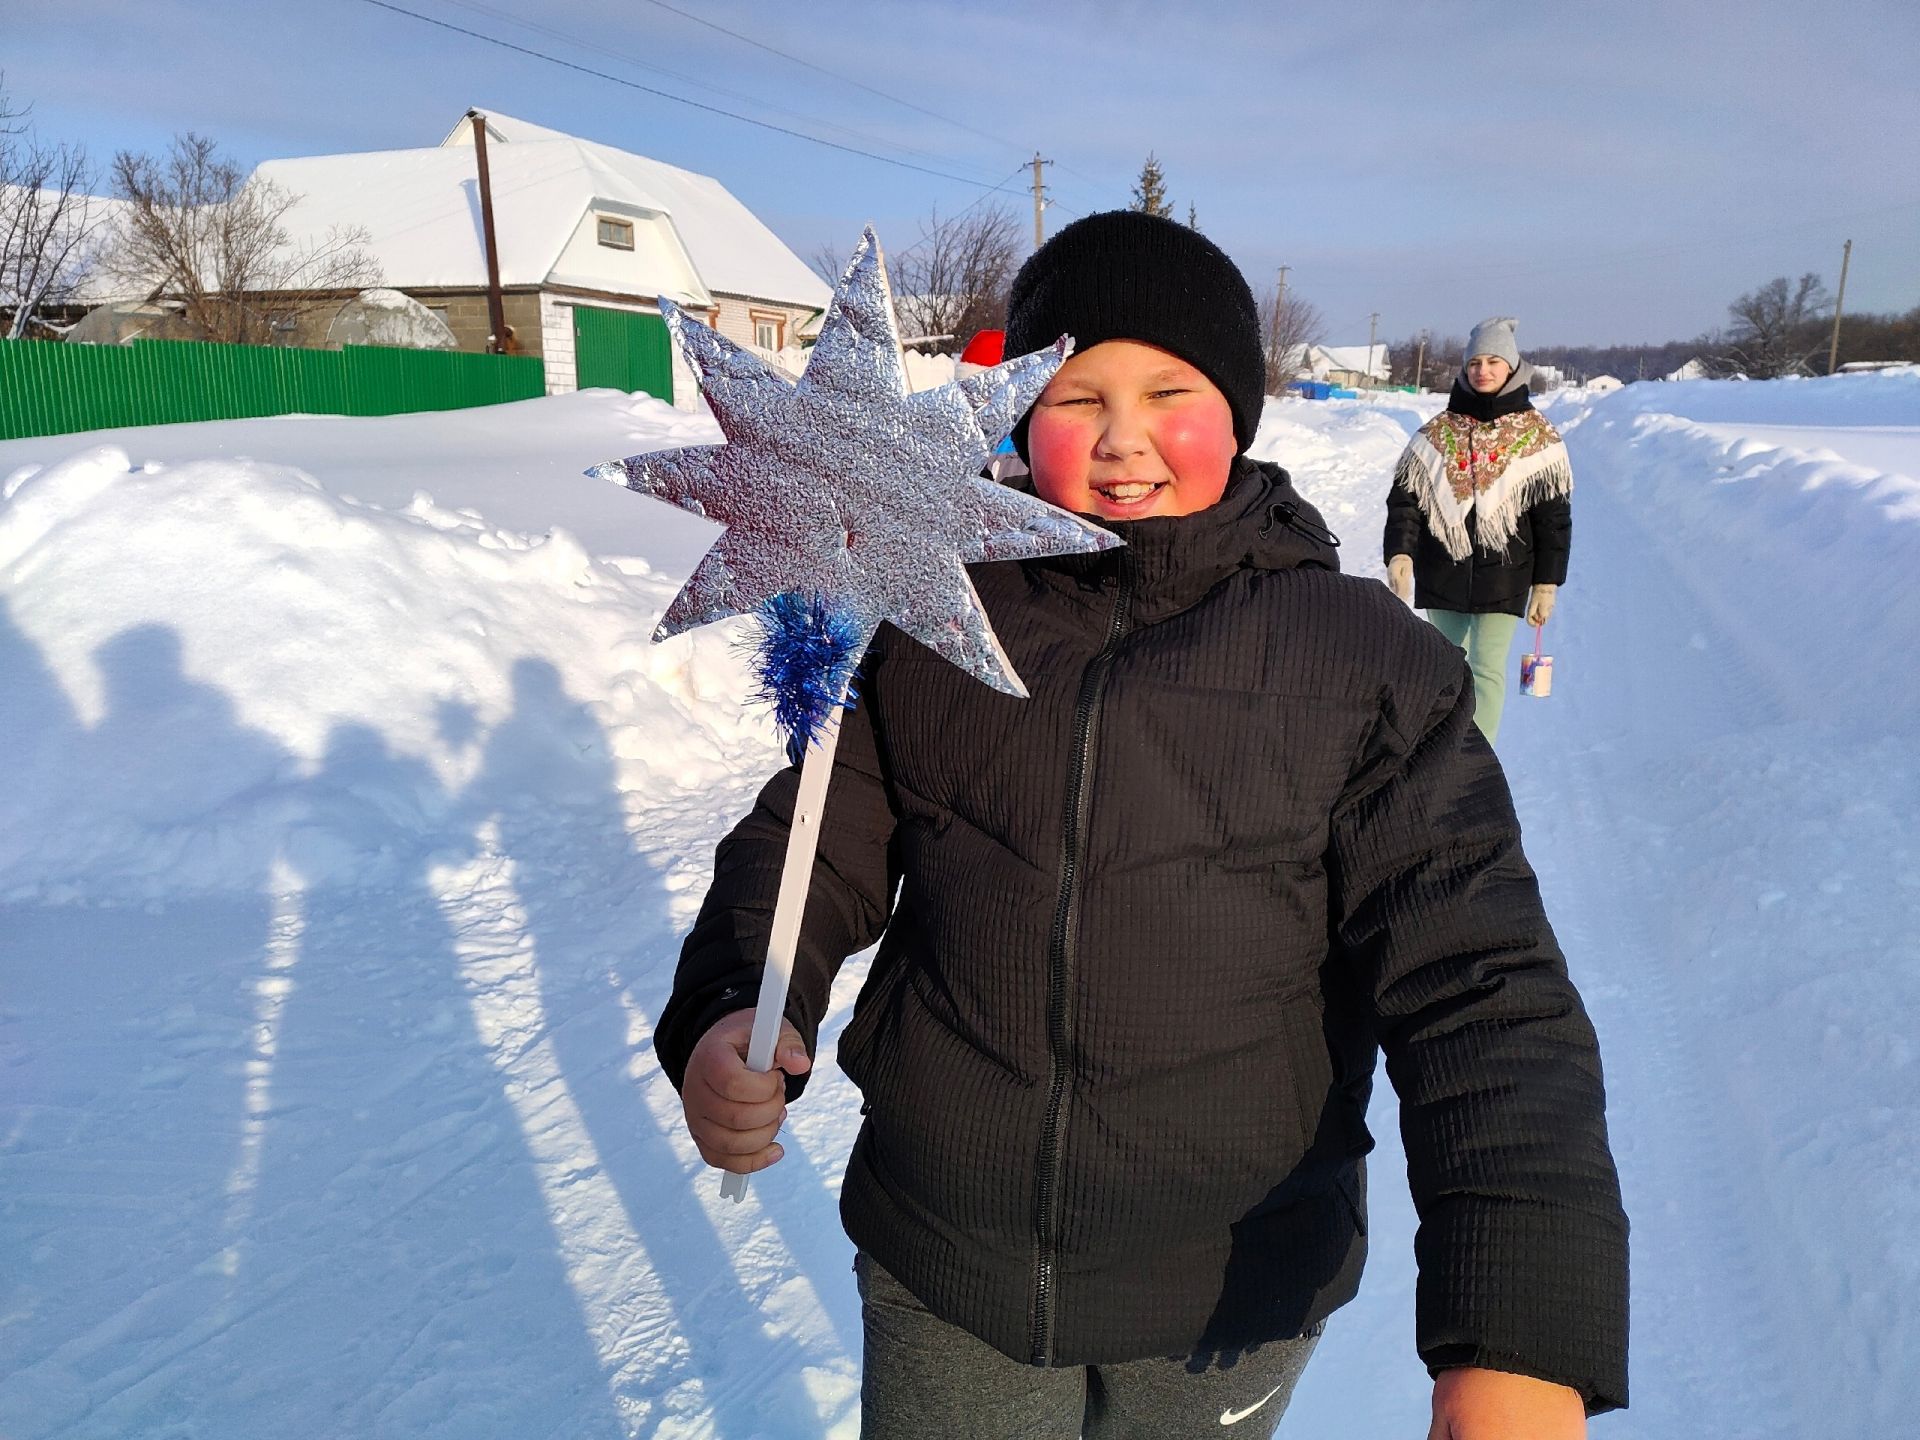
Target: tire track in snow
[{"x": 1710, "y": 1357}]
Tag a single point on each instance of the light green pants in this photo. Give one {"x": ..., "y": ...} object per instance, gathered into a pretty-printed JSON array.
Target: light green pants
[{"x": 1486, "y": 639}]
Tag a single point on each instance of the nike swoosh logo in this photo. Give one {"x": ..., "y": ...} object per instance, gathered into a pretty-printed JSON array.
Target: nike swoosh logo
[{"x": 1234, "y": 1417}]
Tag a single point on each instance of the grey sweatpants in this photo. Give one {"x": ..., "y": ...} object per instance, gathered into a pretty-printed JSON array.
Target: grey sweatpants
[{"x": 926, "y": 1377}]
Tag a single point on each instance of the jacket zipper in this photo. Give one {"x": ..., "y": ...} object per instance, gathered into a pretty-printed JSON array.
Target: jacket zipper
[{"x": 1086, "y": 726}]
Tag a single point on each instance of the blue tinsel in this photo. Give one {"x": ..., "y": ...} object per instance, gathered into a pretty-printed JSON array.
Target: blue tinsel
[{"x": 805, "y": 657}]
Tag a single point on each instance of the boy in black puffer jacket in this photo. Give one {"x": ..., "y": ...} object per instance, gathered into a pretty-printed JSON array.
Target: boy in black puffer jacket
[{"x": 1141, "y": 934}]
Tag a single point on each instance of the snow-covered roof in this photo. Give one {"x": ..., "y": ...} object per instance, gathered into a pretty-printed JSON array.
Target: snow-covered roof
[
  {"x": 735, "y": 253},
  {"x": 1360, "y": 359},
  {"x": 99, "y": 213},
  {"x": 1351, "y": 359},
  {"x": 421, "y": 209}
]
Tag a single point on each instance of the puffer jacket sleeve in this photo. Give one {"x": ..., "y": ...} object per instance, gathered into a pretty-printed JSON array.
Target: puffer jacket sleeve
[
  {"x": 1405, "y": 523},
  {"x": 1552, "y": 522},
  {"x": 1522, "y": 1242},
  {"x": 847, "y": 906}
]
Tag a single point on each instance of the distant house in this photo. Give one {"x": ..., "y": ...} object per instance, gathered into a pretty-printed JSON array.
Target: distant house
[
  {"x": 93, "y": 214},
  {"x": 589, "y": 238},
  {"x": 1694, "y": 369},
  {"x": 1352, "y": 365},
  {"x": 1604, "y": 383}
]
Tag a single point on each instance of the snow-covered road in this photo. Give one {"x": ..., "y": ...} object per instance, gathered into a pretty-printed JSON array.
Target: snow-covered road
[{"x": 352, "y": 830}]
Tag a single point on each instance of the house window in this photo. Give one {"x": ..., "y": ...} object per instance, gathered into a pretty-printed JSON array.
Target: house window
[
  {"x": 769, "y": 331},
  {"x": 616, "y": 233}
]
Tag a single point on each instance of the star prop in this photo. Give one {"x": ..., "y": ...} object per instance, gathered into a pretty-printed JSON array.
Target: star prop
[{"x": 848, "y": 493}]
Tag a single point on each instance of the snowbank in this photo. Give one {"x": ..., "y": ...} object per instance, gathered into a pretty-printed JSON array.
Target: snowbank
[
  {"x": 353, "y": 823},
  {"x": 195, "y": 642}
]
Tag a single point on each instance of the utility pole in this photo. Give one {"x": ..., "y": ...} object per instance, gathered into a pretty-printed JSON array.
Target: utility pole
[
  {"x": 496, "y": 306},
  {"x": 1833, "y": 350},
  {"x": 1279, "y": 361},
  {"x": 1373, "y": 326},
  {"x": 1039, "y": 202},
  {"x": 1420, "y": 365}
]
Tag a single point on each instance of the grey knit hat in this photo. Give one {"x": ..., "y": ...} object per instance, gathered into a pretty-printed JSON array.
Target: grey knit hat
[{"x": 1494, "y": 336}]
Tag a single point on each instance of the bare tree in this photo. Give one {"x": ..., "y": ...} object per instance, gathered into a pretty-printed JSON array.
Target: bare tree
[
  {"x": 195, "y": 230},
  {"x": 829, "y": 261},
  {"x": 1150, "y": 191},
  {"x": 46, "y": 218},
  {"x": 1776, "y": 328},
  {"x": 1287, "y": 327},
  {"x": 1436, "y": 362},
  {"x": 953, "y": 281}
]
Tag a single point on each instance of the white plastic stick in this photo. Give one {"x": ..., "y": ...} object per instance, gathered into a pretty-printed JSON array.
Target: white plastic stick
[{"x": 789, "y": 908}]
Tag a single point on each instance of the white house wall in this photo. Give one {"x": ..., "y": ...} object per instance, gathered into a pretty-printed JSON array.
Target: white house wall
[{"x": 656, "y": 265}]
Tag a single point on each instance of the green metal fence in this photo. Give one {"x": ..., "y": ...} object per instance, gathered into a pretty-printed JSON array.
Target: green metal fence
[{"x": 48, "y": 387}]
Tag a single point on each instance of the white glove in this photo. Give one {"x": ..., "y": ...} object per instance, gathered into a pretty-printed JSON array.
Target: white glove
[
  {"x": 1400, "y": 577},
  {"x": 1540, "y": 604}
]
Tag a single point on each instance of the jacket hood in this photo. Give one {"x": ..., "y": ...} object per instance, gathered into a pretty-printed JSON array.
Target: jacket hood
[{"x": 1171, "y": 561}]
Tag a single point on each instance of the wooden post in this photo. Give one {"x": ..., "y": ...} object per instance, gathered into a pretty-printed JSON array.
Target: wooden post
[
  {"x": 1833, "y": 350},
  {"x": 1039, "y": 202},
  {"x": 1278, "y": 361},
  {"x": 496, "y": 305}
]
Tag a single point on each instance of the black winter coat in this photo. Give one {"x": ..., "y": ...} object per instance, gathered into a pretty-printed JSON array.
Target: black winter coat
[
  {"x": 1117, "y": 1042},
  {"x": 1489, "y": 581}
]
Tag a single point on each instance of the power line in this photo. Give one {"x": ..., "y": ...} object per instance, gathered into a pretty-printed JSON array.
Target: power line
[
  {"x": 666, "y": 94},
  {"x": 1000, "y": 189},
  {"x": 859, "y": 84},
  {"x": 607, "y": 52},
  {"x": 833, "y": 74}
]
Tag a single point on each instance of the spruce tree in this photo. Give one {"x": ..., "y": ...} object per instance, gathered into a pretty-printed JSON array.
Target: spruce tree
[
  {"x": 1193, "y": 217},
  {"x": 1150, "y": 194}
]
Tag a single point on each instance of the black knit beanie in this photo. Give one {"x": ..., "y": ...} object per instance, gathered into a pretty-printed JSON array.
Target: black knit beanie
[{"x": 1125, "y": 275}]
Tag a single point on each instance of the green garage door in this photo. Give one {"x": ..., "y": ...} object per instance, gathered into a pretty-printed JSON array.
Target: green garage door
[{"x": 623, "y": 351}]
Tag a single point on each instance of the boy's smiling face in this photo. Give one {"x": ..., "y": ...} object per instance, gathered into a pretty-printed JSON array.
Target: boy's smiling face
[{"x": 1126, "y": 430}]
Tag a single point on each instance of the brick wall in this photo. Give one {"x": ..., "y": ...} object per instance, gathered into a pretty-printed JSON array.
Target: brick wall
[{"x": 737, "y": 317}]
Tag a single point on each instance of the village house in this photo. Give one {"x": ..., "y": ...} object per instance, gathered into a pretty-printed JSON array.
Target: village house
[
  {"x": 589, "y": 237},
  {"x": 1347, "y": 365}
]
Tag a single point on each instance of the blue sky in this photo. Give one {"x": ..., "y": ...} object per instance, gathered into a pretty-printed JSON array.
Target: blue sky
[{"x": 1607, "y": 172}]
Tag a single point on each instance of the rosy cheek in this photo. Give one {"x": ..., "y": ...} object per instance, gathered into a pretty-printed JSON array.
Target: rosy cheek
[
  {"x": 1198, "y": 445},
  {"x": 1057, "y": 455}
]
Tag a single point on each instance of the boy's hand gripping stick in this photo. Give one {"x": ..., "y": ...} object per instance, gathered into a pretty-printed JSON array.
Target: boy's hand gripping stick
[{"x": 803, "y": 841}]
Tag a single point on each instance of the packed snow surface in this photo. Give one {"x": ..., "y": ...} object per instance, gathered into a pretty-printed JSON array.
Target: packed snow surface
[{"x": 352, "y": 819}]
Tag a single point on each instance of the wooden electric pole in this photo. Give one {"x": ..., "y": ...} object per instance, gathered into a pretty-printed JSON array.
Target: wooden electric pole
[
  {"x": 1420, "y": 365},
  {"x": 1039, "y": 202},
  {"x": 496, "y": 306},
  {"x": 1833, "y": 350},
  {"x": 1373, "y": 327},
  {"x": 1278, "y": 328}
]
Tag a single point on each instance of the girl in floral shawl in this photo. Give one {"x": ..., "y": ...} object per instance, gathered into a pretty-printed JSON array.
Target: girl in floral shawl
[{"x": 1478, "y": 521}]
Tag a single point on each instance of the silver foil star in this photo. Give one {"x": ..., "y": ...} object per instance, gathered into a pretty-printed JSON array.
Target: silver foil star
[{"x": 846, "y": 488}]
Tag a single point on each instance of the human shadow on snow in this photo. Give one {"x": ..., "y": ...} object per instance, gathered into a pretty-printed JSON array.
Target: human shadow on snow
[{"x": 598, "y": 919}]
